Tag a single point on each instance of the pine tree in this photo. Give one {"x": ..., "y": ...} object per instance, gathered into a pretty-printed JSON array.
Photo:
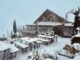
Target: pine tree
[{"x": 14, "y": 27}]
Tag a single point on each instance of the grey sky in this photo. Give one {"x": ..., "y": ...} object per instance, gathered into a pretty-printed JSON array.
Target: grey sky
[{"x": 27, "y": 11}]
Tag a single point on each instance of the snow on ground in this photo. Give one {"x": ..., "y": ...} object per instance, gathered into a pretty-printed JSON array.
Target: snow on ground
[{"x": 51, "y": 49}]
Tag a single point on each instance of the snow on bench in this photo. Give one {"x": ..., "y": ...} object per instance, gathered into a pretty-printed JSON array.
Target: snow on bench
[
  {"x": 39, "y": 41},
  {"x": 48, "y": 59}
]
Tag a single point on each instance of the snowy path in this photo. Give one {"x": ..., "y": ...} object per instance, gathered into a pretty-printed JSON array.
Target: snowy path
[{"x": 47, "y": 49}]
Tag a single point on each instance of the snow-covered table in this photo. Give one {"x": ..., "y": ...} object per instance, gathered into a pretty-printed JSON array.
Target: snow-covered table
[
  {"x": 13, "y": 48},
  {"x": 29, "y": 40},
  {"x": 3, "y": 46},
  {"x": 40, "y": 42},
  {"x": 21, "y": 45},
  {"x": 47, "y": 37},
  {"x": 77, "y": 46},
  {"x": 44, "y": 41},
  {"x": 32, "y": 42},
  {"x": 48, "y": 59}
]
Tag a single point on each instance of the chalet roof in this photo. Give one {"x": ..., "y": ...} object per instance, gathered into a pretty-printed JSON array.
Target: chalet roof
[
  {"x": 69, "y": 24},
  {"x": 49, "y": 23},
  {"x": 52, "y": 24},
  {"x": 48, "y": 15}
]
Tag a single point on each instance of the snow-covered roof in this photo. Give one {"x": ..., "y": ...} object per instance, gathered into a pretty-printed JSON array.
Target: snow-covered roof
[
  {"x": 53, "y": 23},
  {"x": 49, "y": 23},
  {"x": 48, "y": 59},
  {"x": 68, "y": 24},
  {"x": 3, "y": 46}
]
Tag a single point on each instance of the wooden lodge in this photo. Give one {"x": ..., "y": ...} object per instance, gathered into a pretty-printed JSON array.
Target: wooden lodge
[{"x": 48, "y": 22}]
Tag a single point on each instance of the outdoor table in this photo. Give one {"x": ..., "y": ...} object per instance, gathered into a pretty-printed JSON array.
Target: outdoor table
[
  {"x": 13, "y": 50},
  {"x": 38, "y": 43},
  {"x": 3, "y": 48},
  {"x": 30, "y": 41},
  {"x": 48, "y": 59},
  {"x": 22, "y": 46},
  {"x": 44, "y": 41},
  {"x": 46, "y": 37},
  {"x": 32, "y": 45}
]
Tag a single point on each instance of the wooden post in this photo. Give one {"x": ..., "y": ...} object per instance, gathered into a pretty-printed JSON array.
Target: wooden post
[
  {"x": 4, "y": 54},
  {"x": 30, "y": 46},
  {"x": 10, "y": 56},
  {"x": 22, "y": 50},
  {"x": 15, "y": 54}
]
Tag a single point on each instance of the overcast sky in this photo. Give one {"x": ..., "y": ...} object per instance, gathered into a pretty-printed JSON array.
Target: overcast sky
[{"x": 27, "y": 11}]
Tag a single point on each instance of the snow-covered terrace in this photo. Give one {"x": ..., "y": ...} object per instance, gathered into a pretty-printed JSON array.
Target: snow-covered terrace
[{"x": 51, "y": 49}]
